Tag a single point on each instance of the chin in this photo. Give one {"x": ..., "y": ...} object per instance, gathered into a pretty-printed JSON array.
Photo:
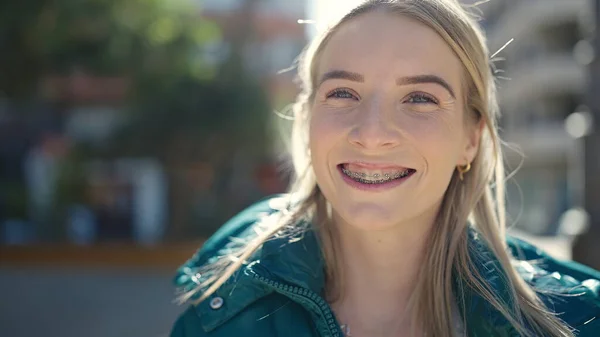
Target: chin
[{"x": 369, "y": 216}]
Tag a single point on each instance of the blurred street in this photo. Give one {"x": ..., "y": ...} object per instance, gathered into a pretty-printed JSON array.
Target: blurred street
[
  {"x": 69, "y": 302},
  {"x": 558, "y": 247},
  {"x": 92, "y": 303}
]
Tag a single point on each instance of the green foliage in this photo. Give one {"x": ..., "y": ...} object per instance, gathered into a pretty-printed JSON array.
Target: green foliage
[
  {"x": 156, "y": 44},
  {"x": 180, "y": 108},
  {"x": 138, "y": 38},
  {"x": 197, "y": 119}
]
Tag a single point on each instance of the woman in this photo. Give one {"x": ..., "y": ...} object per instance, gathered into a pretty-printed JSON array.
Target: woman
[{"x": 395, "y": 222}]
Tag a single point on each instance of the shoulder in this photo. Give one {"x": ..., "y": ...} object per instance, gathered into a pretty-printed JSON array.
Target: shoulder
[
  {"x": 239, "y": 226},
  {"x": 568, "y": 288},
  {"x": 206, "y": 318},
  {"x": 272, "y": 315},
  {"x": 241, "y": 222}
]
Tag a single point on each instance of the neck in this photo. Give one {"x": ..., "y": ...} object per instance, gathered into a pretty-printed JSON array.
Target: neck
[{"x": 379, "y": 271}]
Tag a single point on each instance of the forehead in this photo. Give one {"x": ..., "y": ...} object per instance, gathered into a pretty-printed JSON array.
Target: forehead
[{"x": 380, "y": 44}]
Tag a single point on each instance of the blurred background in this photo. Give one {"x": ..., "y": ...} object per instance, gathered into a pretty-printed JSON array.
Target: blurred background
[{"x": 131, "y": 129}]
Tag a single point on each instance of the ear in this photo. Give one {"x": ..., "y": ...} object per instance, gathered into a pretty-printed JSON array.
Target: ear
[{"x": 472, "y": 139}]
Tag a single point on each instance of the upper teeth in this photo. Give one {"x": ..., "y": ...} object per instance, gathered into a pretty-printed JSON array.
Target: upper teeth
[{"x": 375, "y": 176}]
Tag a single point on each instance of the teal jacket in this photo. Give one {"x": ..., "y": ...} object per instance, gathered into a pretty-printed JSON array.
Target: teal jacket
[{"x": 278, "y": 292}]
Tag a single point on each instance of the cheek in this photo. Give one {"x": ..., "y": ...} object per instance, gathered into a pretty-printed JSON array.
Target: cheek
[
  {"x": 324, "y": 132},
  {"x": 437, "y": 138},
  {"x": 319, "y": 136}
]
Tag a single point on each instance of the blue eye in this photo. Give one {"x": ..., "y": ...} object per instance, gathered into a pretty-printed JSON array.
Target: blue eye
[
  {"x": 341, "y": 94},
  {"x": 420, "y": 98}
]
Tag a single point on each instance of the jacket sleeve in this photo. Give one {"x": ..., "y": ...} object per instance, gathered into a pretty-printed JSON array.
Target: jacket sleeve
[
  {"x": 525, "y": 251},
  {"x": 177, "y": 330},
  {"x": 590, "y": 329},
  {"x": 188, "y": 325},
  {"x": 568, "y": 288}
]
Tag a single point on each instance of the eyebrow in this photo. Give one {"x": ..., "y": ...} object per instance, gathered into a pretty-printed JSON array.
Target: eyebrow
[
  {"x": 426, "y": 79},
  {"x": 407, "y": 80},
  {"x": 341, "y": 75}
]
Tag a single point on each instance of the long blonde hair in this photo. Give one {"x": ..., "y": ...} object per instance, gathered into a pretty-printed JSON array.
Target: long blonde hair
[{"x": 478, "y": 199}]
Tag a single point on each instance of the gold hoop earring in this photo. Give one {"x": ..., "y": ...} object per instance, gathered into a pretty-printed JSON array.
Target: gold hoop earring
[{"x": 462, "y": 170}]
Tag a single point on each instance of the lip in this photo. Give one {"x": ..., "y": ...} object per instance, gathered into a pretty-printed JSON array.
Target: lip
[
  {"x": 375, "y": 166},
  {"x": 373, "y": 187}
]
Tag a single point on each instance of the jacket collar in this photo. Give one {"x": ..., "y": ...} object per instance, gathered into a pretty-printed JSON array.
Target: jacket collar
[
  {"x": 299, "y": 262},
  {"x": 483, "y": 318}
]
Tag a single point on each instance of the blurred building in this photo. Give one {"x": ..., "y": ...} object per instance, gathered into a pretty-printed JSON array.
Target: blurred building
[
  {"x": 541, "y": 79},
  {"x": 270, "y": 39},
  {"x": 124, "y": 199},
  {"x": 266, "y": 36}
]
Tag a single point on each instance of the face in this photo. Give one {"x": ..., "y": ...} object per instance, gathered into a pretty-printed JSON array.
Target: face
[{"x": 388, "y": 124}]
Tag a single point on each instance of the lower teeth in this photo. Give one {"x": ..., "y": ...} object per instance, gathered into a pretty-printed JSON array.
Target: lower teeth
[{"x": 358, "y": 177}]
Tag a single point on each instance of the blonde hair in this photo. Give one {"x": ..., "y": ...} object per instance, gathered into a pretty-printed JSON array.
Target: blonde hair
[{"x": 481, "y": 193}]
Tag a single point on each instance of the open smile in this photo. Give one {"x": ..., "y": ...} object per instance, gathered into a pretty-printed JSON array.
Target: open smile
[{"x": 374, "y": 177}]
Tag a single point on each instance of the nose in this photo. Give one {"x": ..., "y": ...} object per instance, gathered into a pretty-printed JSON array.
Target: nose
[{"x": 372, "y": 130}]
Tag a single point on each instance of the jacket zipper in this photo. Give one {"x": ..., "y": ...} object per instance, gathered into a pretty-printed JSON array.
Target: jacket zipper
[{"x": 305, "y": 294}]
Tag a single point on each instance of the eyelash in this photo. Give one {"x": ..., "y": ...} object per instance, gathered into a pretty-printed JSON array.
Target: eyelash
[
  {"x": 428, "y": 99},
  {"x": 340, "y": 91}
]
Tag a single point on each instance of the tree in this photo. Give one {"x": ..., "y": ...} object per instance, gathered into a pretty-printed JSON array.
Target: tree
[
  {"x": 200, "y": 119},
  {"x": 143, "y": 39},
  {"x": 179, "y": 108}
]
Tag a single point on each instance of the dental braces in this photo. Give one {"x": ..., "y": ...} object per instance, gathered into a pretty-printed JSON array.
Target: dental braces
[{"x": 386, "y": 176}]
